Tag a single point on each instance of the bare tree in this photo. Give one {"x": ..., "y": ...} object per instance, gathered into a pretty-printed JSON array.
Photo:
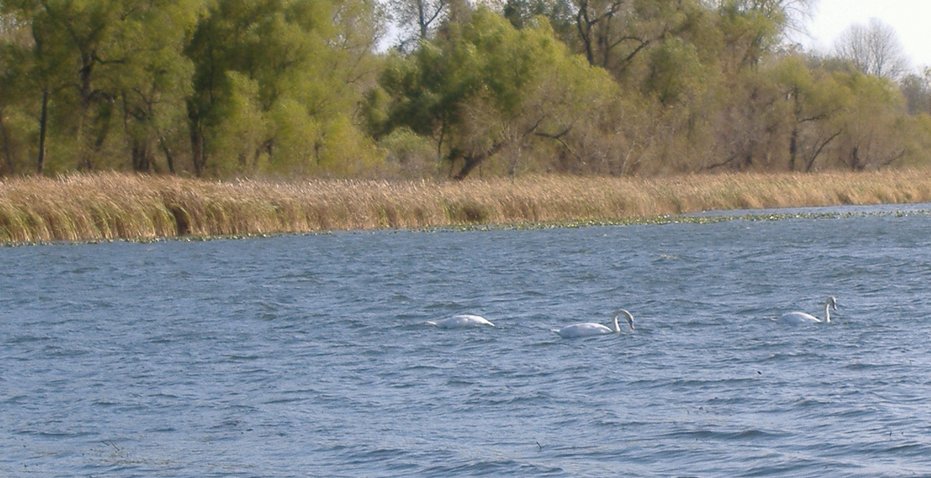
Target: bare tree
[
  {"x": 873, "y": 49},
  {"x": 417, "y": 19}
]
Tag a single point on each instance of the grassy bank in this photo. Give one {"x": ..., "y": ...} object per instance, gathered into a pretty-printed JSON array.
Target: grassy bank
[{"x": 120, "y": 206}]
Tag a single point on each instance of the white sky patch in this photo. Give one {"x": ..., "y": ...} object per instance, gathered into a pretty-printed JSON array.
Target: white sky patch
[{"x": 911, "y": 20}]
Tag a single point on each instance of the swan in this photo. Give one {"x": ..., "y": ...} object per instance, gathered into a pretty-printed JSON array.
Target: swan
[
  {"x": 803, "y": 318},
  {"x": 589, "y": 329},
  {"x": 461, "y": 321}
]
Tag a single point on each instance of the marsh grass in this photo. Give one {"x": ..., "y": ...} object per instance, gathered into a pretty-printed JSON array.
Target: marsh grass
[{"x": 91, "y": 207}]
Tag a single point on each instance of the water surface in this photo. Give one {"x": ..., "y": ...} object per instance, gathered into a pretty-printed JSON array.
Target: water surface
[{"x": 309, "y": 355}]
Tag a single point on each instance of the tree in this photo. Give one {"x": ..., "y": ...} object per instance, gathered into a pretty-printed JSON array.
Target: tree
[
  {"x": 789, "y": 15},
  {"x": 917, "y": 91},
  {"x": 15, "y": 90},
  {"x": 751, "y": 29},
  {"x": 154, "y": 79},
  {"x": 814, "y": 99},
  {"x": 277, "y": 84},
  {"x": 612, "y": 33},
  {"x": 417, "y": 19},
  {"x": 871, "y": 123},
  {"x": 92, "y": 62},
  {"x": 521, "y": 13},
  {"x": 487, "y": 88},
  {"x": 874, "y": 49}
]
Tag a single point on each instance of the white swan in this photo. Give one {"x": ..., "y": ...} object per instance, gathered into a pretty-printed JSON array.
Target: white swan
[
  {"x": 461, "y": 321},
  {"x": 796, "y": 318},
  {"x": 589, "y": 329}
]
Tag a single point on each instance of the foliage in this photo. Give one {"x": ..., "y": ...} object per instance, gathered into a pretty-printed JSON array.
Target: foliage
[
  {"x": 274, "y": 87},
  {"x": 487, "y": 87},
  {"x": 284, "y": 88}
]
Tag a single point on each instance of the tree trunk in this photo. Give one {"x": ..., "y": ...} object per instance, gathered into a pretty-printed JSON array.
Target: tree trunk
[
  {"x": 584, "y": 27},
  {"x": 855, "y": 162},
  {"x": 422, "y": 22},
  {"x": 8, "y": 154},
  {"x": 169, "y": 156},
  {"x": 198, "y": 153},
  {"x": 142, "y": 160},
  {"x": 472, "y": 161},
  {"x": 43, "y": 131},
  {"x": 86, "y": 93},
  {"x": 814, "y": 156},
  {"x": 793, "y": 147}
]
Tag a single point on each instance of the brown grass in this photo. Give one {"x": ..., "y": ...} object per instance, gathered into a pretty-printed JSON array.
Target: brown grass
[{"x": 106, "y": 206}]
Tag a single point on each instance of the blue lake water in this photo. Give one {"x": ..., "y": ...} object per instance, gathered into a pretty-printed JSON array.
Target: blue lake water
[{"x": 310, "y": 356}]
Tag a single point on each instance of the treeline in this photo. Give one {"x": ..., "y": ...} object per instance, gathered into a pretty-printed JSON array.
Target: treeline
[{"x": 301, "y": 88}]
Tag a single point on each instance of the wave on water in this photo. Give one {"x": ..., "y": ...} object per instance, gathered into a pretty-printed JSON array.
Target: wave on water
[{"x": 311, "y": 356}]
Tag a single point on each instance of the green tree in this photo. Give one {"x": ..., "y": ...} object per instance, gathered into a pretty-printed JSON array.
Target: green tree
[
  {"x": 614, "y": 33},
  {"x": 154, "y": 80},
  {"x": 277, "y": 84},
  {"x": 15, "y": 92},
  {"x": 814, "y": 99},
  {"x": 93, "y": 62},
  {"x": 489, "y": 87},
  {"x": 871, "y": 123},
  {"x": 917, "y": 91},
  {"x": 521, "y": 13}
]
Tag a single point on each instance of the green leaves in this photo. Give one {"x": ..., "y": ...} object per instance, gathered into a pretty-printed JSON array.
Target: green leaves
[
  {"x": 487, "y": 87},
  {"x": 303, "y": 70},
  {"x": 297, "y": 87}
]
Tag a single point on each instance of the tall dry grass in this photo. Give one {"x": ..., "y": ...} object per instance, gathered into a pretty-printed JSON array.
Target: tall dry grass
[{"x": 105, "y": 206}]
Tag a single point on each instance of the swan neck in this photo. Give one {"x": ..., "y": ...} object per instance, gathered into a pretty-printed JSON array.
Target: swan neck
[
  {"x": 827, "y": 311},
  {"x": 617, "y": 326}
]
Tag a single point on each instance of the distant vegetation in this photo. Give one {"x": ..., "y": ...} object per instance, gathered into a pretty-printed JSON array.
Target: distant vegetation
[
  {"x": 496, "y": 88},
  {"x": 105, "y": 206}
]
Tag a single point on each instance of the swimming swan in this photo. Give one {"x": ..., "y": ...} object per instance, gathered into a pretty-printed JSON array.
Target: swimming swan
[
  {"x": 461, "y": 321},
  {"x": 803, "y": 318},
  {"x": 589, "y": 329}
]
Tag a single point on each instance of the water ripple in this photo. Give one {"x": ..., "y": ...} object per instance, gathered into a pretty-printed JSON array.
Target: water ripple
[{"x": 310, "y": 355}]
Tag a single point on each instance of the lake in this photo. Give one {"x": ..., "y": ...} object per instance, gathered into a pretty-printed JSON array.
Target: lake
[{"x": 311, "y": 356}]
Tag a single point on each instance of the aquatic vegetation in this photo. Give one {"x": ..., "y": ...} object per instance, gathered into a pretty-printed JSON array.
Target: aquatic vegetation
[{"x": 107, "y": 206}]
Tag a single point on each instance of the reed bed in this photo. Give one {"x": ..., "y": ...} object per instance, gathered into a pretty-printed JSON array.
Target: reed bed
[{"x": 106, "y": 206}]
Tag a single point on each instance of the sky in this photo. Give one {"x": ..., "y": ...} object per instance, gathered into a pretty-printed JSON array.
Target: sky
[{"x": 911, "y": 20}]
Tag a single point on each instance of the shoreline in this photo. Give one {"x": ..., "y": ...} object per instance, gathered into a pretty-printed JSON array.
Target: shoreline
[{"x": 115, "y": 206}]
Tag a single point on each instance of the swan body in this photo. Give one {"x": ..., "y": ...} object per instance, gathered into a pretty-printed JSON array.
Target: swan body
[
  {"x": 798, "y": 318},
  {"x": 461, "y": 321},
  {"x": 588, "y": 329}
]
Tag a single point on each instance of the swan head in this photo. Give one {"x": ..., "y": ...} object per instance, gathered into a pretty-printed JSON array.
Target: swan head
[
  {"x": 832, "y": 302},
  {"x": 628, "y": 316}
]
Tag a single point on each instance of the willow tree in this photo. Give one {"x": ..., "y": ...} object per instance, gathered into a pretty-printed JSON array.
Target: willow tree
[
  {"x": 813, "y": 100},
  {"x": 872, "y": 123},
  {"x": 276, "y": 85},
  {"x": 93, "y": 62},
  {"x": 917, "y": 91},
  {"x": 17, "y": 93},
  {"x": 488, "y": 87},
  {"x": 153, "y": 82}
]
